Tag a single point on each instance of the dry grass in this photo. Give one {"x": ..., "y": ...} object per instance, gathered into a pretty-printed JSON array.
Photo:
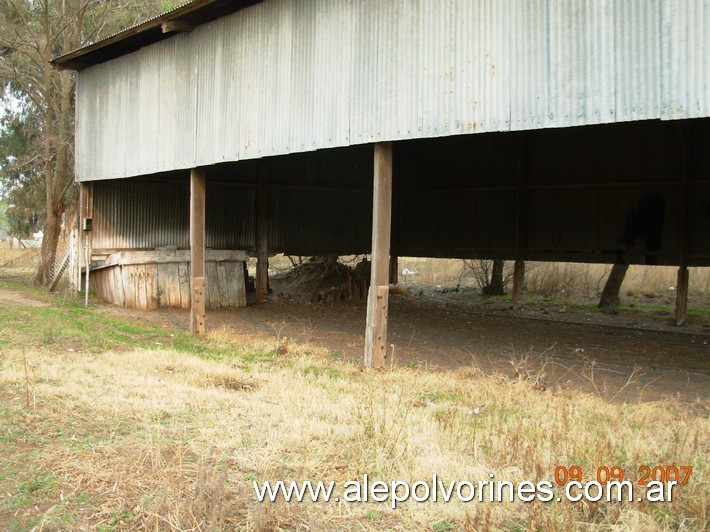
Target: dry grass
[
  {"x": 563, "y": 278},
  {"x": 545, "y": 278},
  {"x": 7, "y": 254},
  {"x": 156, "y": 439}
]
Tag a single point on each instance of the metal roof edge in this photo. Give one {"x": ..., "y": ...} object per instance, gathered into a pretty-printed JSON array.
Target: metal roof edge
[{"x": 143, "y": 33}]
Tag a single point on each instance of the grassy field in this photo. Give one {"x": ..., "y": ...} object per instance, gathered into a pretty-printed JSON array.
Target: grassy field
[{"x": 108, "y": 423}]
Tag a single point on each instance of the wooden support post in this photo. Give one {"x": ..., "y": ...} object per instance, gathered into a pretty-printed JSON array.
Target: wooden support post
[
  {"x": 262, "y": 242},
  {"x": 681, "y": 296},
  {"x": 87, "y": 216},
  {"x": 80, "y": 237},
  {"x": 519, "y": 268},
  {"x": 197, "y": 250},
  {"x": 518, "y": 281},
  {"x": 394, "y": 270},
  {"x": 681, "y": 289},
  {"x": 378, "y": 296}
]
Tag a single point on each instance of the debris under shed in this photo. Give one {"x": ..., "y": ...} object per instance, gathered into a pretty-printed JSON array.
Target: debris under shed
[{"x": 323, "y": 279}]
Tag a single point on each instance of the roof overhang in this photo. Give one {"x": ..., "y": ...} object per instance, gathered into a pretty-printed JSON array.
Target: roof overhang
[{"x": 181, "y": 19}]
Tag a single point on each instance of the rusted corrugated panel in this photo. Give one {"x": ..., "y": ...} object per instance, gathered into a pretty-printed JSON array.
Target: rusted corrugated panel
[
  {"x": 135, "y": 214},
  {"x": 230, "y": 217},
  {"x": 177, "y": 125},
  {"x": 474, "y": 68},
  {"x": 480, "y": 220},
  {"x": 139, "y": 214},
  {"x": 284, "y": 77},
  {"x": 320, "y": 215}
]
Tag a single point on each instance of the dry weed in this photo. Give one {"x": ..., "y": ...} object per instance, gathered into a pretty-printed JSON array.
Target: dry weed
[{"x": 158, "y": 440}]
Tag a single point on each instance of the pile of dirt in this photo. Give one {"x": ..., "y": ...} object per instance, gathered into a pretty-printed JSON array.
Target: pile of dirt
[{"x": 323, "y": 279}]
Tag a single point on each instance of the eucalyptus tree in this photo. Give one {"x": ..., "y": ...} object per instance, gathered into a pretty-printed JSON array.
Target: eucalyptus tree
[{"x": 41, "y": 99}]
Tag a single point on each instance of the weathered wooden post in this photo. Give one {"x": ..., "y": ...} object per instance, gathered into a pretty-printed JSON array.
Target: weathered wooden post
[
  {"x": 394, "y": 270},
  {"x": 378, "y": 296},
  {"x": 518, "y": 281},
  {"x": 262, "y": 244},
  {"x": 197, "y": 250},
  {"x": 681, "y": 289},
  {"x": 519, "y": 268}
]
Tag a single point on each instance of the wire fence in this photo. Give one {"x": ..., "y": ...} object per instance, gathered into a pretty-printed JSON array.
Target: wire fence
[{"x": 21, "y": 264}]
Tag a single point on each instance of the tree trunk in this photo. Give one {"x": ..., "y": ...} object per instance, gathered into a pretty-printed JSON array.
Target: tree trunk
[
  {"x": 37, "y": 31},
  {"x": 496, "y": 286},
  {"x": 57, "y": 179},
  {"x": 609, "y": 301}
]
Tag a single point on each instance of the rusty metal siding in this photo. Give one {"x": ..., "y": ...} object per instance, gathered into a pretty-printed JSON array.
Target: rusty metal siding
[
  {"x": 142, "y": 214},
  {"x": 328, "y": 221},
  {"x": 135, "y": 214},
  {"x": 282, "y": 77},
  {"x": 230, "y": 217}
]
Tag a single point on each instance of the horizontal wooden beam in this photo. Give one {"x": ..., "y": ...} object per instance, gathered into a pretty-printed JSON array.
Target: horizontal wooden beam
[{"x": 128, "y": 258}]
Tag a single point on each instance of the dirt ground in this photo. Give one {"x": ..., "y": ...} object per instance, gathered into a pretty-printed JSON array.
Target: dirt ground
[
  {"x": 14, "y": 298},
  {"x": 626, "y": 357}
]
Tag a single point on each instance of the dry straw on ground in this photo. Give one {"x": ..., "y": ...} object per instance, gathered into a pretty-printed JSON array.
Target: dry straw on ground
[{"x": 162, "y": 440}]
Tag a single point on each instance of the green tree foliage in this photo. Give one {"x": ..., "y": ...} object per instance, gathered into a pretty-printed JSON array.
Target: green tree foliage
[
  {"x": 4, "y": 226},
  {"x": 21, "y": 182},
  {"x": 36, "y": 138}
]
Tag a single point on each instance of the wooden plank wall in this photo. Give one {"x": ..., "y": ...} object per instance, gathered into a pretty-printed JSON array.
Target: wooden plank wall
[{"x": 167, "y": 285}]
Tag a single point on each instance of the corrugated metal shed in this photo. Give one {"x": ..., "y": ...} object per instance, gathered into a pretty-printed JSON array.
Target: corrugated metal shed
[
  {"x": 283, "y": 77},
  {"x": 602, "y": 193}
]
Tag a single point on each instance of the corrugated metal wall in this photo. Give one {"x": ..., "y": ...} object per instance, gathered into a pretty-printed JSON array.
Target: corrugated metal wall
[
  {"x": 148, "y": 214},
  {"x": 590, "y": 194},
  {"x": 594, "y": 194},
  {"x": 153, "y": 212},
  {"x": 139, "y": 214},
  {"x": 285, "y": 76}
]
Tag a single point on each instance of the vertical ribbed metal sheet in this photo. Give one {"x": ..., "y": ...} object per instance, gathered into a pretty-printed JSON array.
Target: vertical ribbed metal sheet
[
  {"x": 581, "y": 63},
  {"x": 637, "y": 60},
  {"x": 140, "y": 214},
  {"x": 282, "y": 77},
  {"x": 320, "y": 214},
  {"x": 230, "y": 217},
  {"x": 529, "y": 77},
  {"x": 686, "y": 59}
]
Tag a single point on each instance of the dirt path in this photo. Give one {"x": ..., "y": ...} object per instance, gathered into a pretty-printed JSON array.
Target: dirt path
[
  {"x": 15, "y": 298},
  {"x": 626, "y": 357}
]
